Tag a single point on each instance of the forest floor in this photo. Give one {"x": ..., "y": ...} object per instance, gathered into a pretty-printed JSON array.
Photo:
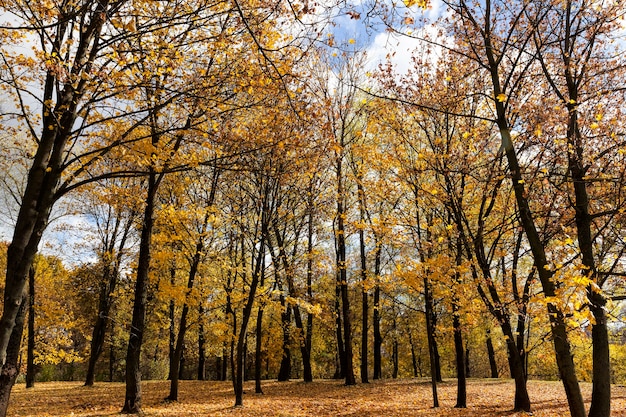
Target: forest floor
[{"x": 401, "y": 397}]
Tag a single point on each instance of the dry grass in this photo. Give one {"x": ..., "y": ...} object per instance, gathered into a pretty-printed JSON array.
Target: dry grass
[{"x": 321, "y": 398}]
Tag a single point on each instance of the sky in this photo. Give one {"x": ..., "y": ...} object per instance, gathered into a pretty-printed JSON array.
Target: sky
[{"x": 370, "y": 34}]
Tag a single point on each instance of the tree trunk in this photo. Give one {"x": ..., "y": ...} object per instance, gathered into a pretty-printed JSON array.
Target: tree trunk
[
  {"x": 258, "y": 351},
  {"x": 239, "y": 365},
  {"x": 303, "y": 337},
  {"x": 491, "y": 354},
  {"x": 240, "y": 352},
  {"x": 110, "y": 275},
  {"x": 564, "y": 357},
  {"x": 601, "y": 391},
  {"x": 112, "y": 354},
  {"x": 378, "y": 339},
  {"x": 181, "y": 363},
  {"x": 284, "y": 374},
  {"x": 224, "y": 368},
  {"x": 30, "y": 360},
  {"x": 430, "y": 332},
  {"x": 340, "y": 371},
  {"x": 461, "y": 393},
  {"x": 364, "y": 292},
  {"x": 10, "y": 369},
  {"x": 304, "y": 351},
  {"x": 459, "y": 349},
  {"x": 132, "y": 400},
  {"x": 516, "y": 366},
  {"x": 31, "y": 222},
  {"x": 342, "y": 278},
  {"x": 201, "y": 346},
  {"x": 347, "y": 331},
  {"x": 97, "y": 337},
  {"x": 42, "y": 185},
  {"x": 394, "y": 348},
  {"x": 413, "y": 354},
  {"x": 435, "y": 344},
  {"x": 309, "y": 290},
  {"x": 171, "y": 332},
  {"x": 178, "y": 358}
]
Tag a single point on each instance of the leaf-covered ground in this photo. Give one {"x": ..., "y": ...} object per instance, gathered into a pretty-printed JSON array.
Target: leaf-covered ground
[{"x": 321, "y": 398}]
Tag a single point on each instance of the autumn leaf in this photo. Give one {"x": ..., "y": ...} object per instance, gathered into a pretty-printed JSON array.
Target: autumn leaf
[{"x": 420, "y": 3}]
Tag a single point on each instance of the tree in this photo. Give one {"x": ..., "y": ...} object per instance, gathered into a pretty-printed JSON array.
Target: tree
[
  {"x": 66, "y": 91},
  {"x": 114, "y": 224},
  {"x": 493, "y": 48},
  {"x": 575, "y": 63},
  {"x": 188, "y": 224},
  {"x": 343, "y": 126},
  {"x": 74, "y": 79}
]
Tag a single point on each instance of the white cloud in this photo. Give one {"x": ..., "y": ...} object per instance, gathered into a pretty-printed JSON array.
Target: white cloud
[{"x": 399, "y": 49}]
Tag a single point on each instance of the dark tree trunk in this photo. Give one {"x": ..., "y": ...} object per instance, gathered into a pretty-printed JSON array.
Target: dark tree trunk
[
  {"x": 491, "y": 354},
  {"x": 430, "y": 332},
  {"x": 112, "y": 355},
  {"x": 347, "y": 331},
  {"x": 258, "y": 351},
  {"x": 201, "y": 346},
  {"x": 435, "y": 345},
  {"x": 304, "y": 351},
  {"x": 303, "y": 339},
  {"x": 239, "y": 362},
  {"x": 564, "y": 357},
  {"x": 601, "y": 391},
  {"x": 309, "y": 291},
  {"x": 413, "y": 354},
  {"x": 378, "y": 339},
  {"x": 99, "y": 333},
  {"x": 132, "y": 400},
  {"x": 42, "y": 185},
  {"x": 172, "y": 328},
  {"x": 394, "y": 348},
  {"x": 461, "y": 395},
  {"x": 364, "y": 293},
  {"x": 181, "y": 364},
  {"x": 342, "y": 278},
  {"x": 32, "y": 219},
  {"x": 340, "y": 371},
  {"x": 467, "y": 362},
  {"x": 241, "y": 340},
  {"x": 30, "y": 354},
  {"x": 284, "y": 374},
  {"x": 437, "y": 359},
  {"x": 522, "y": 400},
  {"x": 10, "y": 368},
  {"x": 110, "y": 276},
  {"x": 178, "y": 356},
  {"x": 224, "y": 363},
  {"x": 218, "y": 366},
  {"x": 364, "y": 338}
]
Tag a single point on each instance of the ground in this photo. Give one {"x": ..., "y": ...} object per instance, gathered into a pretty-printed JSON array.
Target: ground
[{"x": 403, "y": 397}]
